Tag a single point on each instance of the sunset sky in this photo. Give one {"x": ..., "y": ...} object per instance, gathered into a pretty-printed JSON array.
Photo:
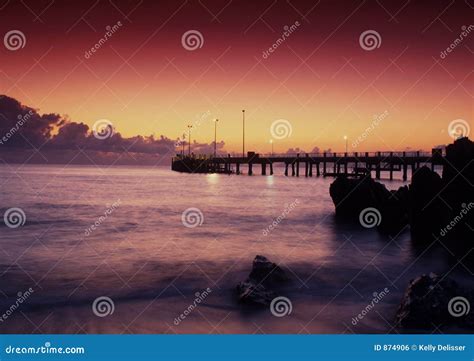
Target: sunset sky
[{"x": 320, "y": 79}]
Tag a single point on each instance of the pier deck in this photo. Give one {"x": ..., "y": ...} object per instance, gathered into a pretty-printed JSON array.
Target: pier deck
[{"x": 320, "y": 164}]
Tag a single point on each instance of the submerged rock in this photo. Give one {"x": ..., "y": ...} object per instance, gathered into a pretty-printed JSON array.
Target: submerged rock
[
  {"x": 431, "y": 301},
  {"x": 258, "y": 288}
]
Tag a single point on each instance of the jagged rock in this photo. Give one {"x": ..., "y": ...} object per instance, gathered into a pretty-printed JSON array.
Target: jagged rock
[
  {"x": 266, "y": 272},
  {"x": 394, "y": 211},
  {"x": 427, "y": 210},
  {"x": 254, "y": 294},
  {"x": 258, "y": 288},
  {"x": 459, "y": 156},
  {"x": 352, "y": 196},
  {"x": 458, "y": 180},
  {"x": 426, "y": 304}
]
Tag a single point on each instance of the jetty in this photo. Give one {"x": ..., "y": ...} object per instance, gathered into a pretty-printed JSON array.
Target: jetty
[{"x": 311, "y": 164}]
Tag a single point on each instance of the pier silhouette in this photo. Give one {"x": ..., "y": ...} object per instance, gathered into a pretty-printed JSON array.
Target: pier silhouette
[{"x": 308, "y": 164}]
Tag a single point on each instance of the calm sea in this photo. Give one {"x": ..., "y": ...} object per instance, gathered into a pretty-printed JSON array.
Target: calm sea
[{"x": 120, "y": 233}]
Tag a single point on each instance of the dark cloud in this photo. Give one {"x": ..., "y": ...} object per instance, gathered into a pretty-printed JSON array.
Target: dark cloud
[{"x": 23, "y": 129}]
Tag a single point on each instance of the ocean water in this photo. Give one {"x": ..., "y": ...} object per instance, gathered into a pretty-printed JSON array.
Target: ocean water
[{"x": 119, "y": 232}]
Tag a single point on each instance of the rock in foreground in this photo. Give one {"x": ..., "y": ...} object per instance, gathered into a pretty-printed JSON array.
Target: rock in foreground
[
  {"x": 266, "y": 272},
  {"x": 254, "y": 294},
  {"x": 258, "y": 288},
  {"x": 431, "y": 301}
]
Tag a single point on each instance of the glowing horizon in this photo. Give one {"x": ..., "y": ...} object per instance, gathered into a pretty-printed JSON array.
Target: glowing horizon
[{"x": 320, "y": 79}]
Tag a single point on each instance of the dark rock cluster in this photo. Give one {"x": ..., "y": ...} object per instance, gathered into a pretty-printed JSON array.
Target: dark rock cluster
[
  {"x": 432, "y": 206},
  {"x": 437, "y": 209}
]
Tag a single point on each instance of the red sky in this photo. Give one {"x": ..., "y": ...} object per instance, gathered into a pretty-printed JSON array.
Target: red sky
[{"x": 319, "y": 79}]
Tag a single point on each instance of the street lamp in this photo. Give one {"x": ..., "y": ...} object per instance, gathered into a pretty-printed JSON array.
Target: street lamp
[
  {"x": 243, "y": 133},
  {"x": 189, "y": 139},
  {"x": 271, "y": 142},
  {"x": 345, "y": 138},
  {"x": 215, "y": 137}
]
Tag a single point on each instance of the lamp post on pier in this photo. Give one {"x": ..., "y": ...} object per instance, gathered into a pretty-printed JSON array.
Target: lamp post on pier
[
  {"x": 215, "y": 137},
  {"x": 189, "y": 139},
  {"x": 243, "y": 133}
]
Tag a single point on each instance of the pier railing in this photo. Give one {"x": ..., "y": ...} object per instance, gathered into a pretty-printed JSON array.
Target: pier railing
[{"x": 326, "y": 163}]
